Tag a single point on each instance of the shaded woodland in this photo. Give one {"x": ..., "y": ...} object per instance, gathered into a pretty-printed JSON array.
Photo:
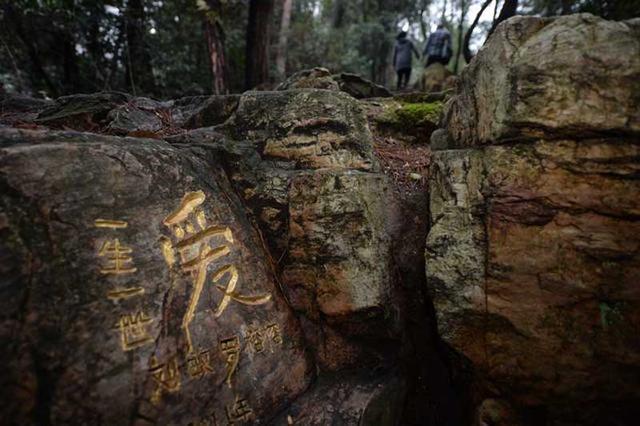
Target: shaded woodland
[{"x": 170, "y": 48}]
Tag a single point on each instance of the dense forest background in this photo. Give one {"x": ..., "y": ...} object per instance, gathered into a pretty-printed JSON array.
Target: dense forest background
[{"x": 172, "y": 48}]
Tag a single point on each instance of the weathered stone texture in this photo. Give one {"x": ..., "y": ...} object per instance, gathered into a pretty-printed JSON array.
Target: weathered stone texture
[
  {"x": 349, "y": 399},
  {"x": 533, "y": 259},
  {"x": 436, "y": 78},
  {"x": 303, "y": 162},
  {"x": 533, "y": 256},
  {"x": 93, "y": 312},
  {"x": 321, "y": 78},
  {"x": 549, "y": 76}
]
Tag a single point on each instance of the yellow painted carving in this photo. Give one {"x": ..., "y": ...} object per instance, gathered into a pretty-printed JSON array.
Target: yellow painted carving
[
  {"x": 167, "y": 251},
  {"x": 199, "y": 365},
  {"x": 110, "y": 223},
  {"x": 273, "y": 330},
  {"x": 229, "y": 292},
  {"x": 231, "y": 348},
  {"x": 133, "y": 330},
  {"x": 196, "y": 246},
  {"x": 165, "y": 375},
  {"x": 256, "y": 338},
  {"x": 118, "y": 258},
  {"x": 239, "y": 411},
  {"x": 259, "y": 336},
  {"x": 125, "y": 293}
]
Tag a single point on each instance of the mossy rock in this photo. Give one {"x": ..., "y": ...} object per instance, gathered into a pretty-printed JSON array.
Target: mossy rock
[
  {"x": 418, "y": 114},
  {"x": 410, "y": 116}
]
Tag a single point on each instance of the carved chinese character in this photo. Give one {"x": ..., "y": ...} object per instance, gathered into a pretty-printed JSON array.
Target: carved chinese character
[
  {"x": 239, "y": 411},
  {"x": 256, "y": 338},
  {"x": 165, "y": 375},
  {"x": 273, "y": 331},
  {"x": 198, "y": 244},
  {"x": 199, "y": 365},
  {"x": 109, "y": 223},
  {"x": 133, "y": 330},
  {"x": 117, "y": 256},
  {"x": 125, "y": 293},
  {"x": 231, "y": 348}
]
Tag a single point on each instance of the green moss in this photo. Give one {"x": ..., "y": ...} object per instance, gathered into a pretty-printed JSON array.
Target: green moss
[{"x": 410, "y": 115}]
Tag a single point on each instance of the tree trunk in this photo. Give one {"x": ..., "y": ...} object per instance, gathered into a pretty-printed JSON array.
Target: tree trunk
[
  {"x": 257, "y": 53},
  {"x": 466, "y": 50},
  {"x": 424, "y": 8},
  {"x": 463, "y": 15},
  {"x": 337, "y": 13},
  {"x": 217, "y": 60},
  {"x": 139, "y": 73},
  {"x": 15, "y": 18},
  {"x": 94, "y": 45},
  {"x": 281, "y": 58},
  {"x": 71, "y": 73},
  {"x": 508, "y": 10}
]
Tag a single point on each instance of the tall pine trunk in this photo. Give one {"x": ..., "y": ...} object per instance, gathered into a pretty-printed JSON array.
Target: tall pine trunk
[
  {"x": 138, "y": 70},
  {"x": 258, "y": 41},
  {"x": 217, "y": 59},
  {"x": 281, "y": 58},
  {"x": 463, "y": 15}
]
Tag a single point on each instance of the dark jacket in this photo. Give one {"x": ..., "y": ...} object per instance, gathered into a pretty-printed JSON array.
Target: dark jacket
[
  {"x": 402, "y": 54},
  {"x": 439, "y": 44}
]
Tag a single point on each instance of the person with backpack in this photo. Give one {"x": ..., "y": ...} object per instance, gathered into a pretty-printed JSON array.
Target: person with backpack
[
  {"x": 438, "y": 47},
  {"x": 402, "y": 57}
]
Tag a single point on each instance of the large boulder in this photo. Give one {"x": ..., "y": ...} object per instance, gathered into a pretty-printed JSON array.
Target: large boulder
[
  {"x": 201, "y": 111},
  {"x": 321, "y": 78},
  {"x": 140, "y": 115},
  {"x": 575, "y": 75},
  {"x": 314, "y": 78},
  {"x": 338, "y": 270},
  {"x": 135, "y": 288},
  {"x": 436, "y": 78},
  {"x": 303, "y": 161},
  {"x": 359, "y": 87},
  {"x": 82, "y": 112},
  {"x": 533, "y": 254}
]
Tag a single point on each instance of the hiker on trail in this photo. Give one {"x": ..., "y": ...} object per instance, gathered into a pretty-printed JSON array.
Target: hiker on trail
[
  {"x": 438, "y": 48},
  {"x": 402, "y": 58}
]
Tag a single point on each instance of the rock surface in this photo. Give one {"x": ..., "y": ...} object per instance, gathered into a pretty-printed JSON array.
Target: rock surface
[
  {"x": 360, "y": 88},
  {"x": 303, "y": 162},
  {"x": 350, "y": 399},
  {"x": 100, "y": 292},
  {"x": 437, "y": 78},
  {"x": 533, "y": 255},
  {"x": 315, "y": 78},
  {"x": 578, "y": 75},
  {"x": 321, "y": 78},
  {"x": 134, "y": 287}
]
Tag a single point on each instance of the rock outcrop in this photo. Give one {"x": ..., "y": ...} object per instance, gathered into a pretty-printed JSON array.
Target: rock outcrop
[
  {"x": 134, "y": 286},
  {"x": 259, "y": 258},
  {"x": 212, "y": 272},
  {"x": 547, "y": 77},
  {"x": 533, "y": 255},
  {"x": 303, "y": 162},
  {"x": 321, "y": 78},
  {"x": 436, "y": 78}
]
